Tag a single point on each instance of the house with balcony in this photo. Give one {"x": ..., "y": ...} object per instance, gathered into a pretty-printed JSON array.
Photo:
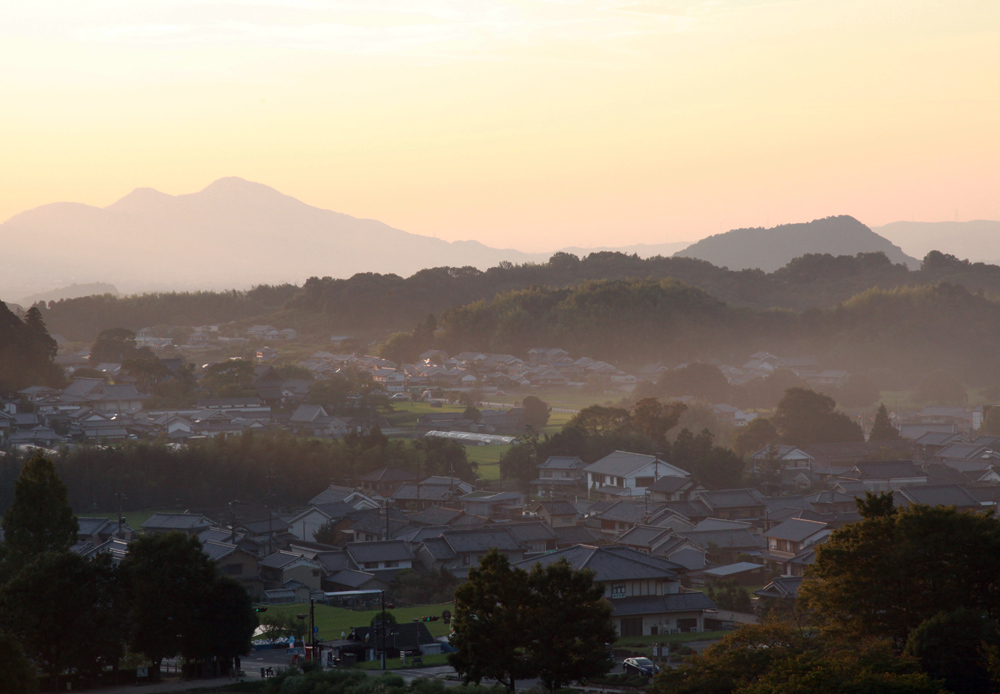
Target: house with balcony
[
  {"x": 627, "y": 474},
  {"x": 790, "y": 539}
]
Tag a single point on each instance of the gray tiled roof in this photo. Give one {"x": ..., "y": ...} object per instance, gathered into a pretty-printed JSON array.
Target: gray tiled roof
[
  {"x": 575, "y": 535},
  {"x": 658, "y": 604},
  {"x": 724, "y": 539},
  {"x": 614, "y": 563},
  {"x": 331, "y": 494},
  {"x": 781, "y": 587},
  {"x": 620, "y": 463},
  {"x": 562, "y": 462},
  {"x": 936, "y": 495},
  {"x": 351, "y": 578},
  {"x": 439, "y": 549},
  {"x": 176, "y": 521},
  {"x": 643, "y": 535},
  {"x": 795, "y": 529},
  {"x": 393, "y": 550},
  {"x": 732, "y": 498},
  {"x": 481, "y": 539},
  {"x": 887, "y": 469},
  {"x": 558, "y": 507},
  {"x": 217, "y": 550},
  {"x": 435, "y": 515},
  {"x": 528, "y": 532}
]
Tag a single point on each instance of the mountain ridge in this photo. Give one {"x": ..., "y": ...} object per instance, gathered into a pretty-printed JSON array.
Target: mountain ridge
[{"x": 769, "y": 249}]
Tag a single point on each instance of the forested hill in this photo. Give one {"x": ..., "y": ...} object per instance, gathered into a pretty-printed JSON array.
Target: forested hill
[
  {"x": 770, "y": 249},
  {"x": 373, "y": 305},
  {"x": 908, "y": 331}
]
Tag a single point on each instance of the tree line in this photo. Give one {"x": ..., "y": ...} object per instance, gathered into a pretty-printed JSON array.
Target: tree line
[
  {"x": 376, "y": 304},
  {"x": 27, "y": 352},
  {"x": 209, "y": 473}
]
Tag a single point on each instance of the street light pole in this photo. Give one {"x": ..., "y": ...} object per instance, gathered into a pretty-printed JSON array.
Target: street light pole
[{"x": 382, "y": 628}]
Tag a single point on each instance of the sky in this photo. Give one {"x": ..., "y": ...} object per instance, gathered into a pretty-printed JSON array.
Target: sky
[{"x": 532, "y": 124}]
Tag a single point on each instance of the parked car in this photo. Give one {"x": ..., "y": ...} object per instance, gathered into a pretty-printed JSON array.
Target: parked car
[{"x": 640, "y": 666}]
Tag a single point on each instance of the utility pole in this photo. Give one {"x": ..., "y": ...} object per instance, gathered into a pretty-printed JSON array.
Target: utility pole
[
  {"x": 270, "y": 515},
  {"x": 382, "y": 628},
  {"x": 232, "y": 520},
  {"x": 312, "y": 626},
  {"x": 120, "y": 497}
]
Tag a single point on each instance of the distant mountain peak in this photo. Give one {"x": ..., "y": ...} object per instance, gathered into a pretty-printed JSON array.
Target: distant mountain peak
[{"x": 770, "y": 249}]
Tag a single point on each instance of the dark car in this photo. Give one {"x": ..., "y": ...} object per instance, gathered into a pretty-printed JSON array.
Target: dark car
[{"x": 640, "y": 666}]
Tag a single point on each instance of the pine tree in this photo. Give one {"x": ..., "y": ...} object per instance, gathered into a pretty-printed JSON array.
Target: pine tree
[
  {"x": 882, "y": 429},
  {"x": 40, "y": 519}
]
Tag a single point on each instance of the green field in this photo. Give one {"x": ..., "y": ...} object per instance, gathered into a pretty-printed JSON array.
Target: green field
[{"x": 334, "y": 620}]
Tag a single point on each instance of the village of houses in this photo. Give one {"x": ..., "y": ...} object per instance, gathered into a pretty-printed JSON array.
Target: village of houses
[{"x": 650, "y": 533}]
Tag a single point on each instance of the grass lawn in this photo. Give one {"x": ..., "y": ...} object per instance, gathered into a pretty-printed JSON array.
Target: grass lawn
[
  {"x": 487, "y": 458},
  {"x": 334, "y": 620}
]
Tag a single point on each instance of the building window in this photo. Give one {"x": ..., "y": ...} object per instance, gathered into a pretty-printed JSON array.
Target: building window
[{"x": 391, "y": 564}]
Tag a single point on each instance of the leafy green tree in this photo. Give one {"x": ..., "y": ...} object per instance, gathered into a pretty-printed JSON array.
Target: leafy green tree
[
  {"x": 597, "y": 420},
  {"x": 777, "y": 658},
  {"x": 729, "y": 596},
  {"x": 754, "y": 435},
  {"x": 654, "y": 419},
  {"x": 489, "y": 623},
  {"x": 228, "y": 619},
  {"x": 63, "y": 613},
  {"x": 40, "y": 519},
  {"x": 148, "y": 373},
  {"x": 519, "y": 462},
  {"x": 18, "y": 672},
  {"x": 297, "y": 371},
  {"x": 702, "y": 381},
  {"x": 230, "y": 378},
  {"x": 882, "y": 428},
  {"x": 536, "y": 412},
  {"x": 886, "y": 574},
  {"x": 804, "y": 417},
  {"x": 712, "y": 466},
  {"x": 991, "y": 420},
  {"x": 169, "y": 580},
  {"x": 472, "y": 413},
  {"x": 569, "y": 628},
  {"x": 954, "y": 647},
  {"x": 117, "y": 345}
]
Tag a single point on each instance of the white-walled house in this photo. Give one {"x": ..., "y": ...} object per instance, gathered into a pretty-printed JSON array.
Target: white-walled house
[{"x": 624, "y": 473}]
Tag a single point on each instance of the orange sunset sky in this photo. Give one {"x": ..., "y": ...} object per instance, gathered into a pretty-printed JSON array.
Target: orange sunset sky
[{"x": 533, "y": 124}]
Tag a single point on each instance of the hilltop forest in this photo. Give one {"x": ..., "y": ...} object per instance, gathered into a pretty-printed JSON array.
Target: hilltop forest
[{"x": 853, "y": 312}]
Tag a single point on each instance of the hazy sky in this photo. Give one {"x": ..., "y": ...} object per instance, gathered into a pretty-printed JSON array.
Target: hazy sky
[{"x": 533, "y": 124}]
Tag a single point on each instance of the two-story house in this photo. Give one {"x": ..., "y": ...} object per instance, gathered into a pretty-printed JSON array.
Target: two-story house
[
  {"x": 623, "y": 473},
  {"x": 791, "y": 538},
  {"x": 645, "y": 591},
  {"x": 560, "y": 474}
]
